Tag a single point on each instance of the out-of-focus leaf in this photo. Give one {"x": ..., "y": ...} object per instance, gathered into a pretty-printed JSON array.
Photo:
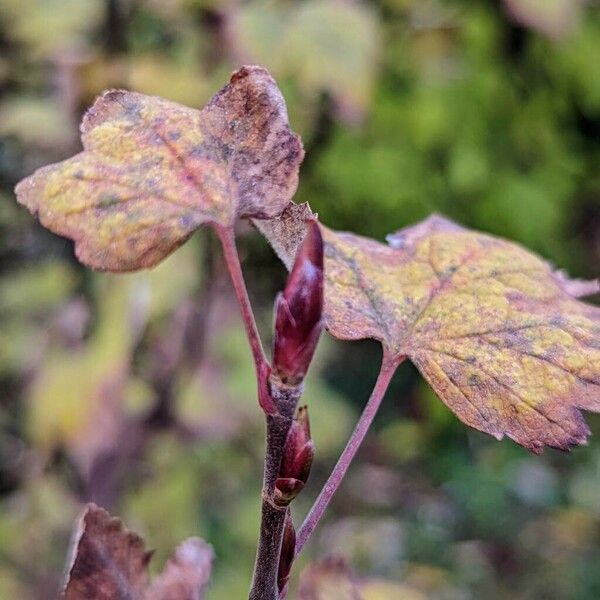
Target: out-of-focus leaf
[
  {"x": 576, "y": 61},
  {"x": 256, "y": 32},
  {"x": 108, "y": 562},
  {"x": 378, "y": 544},
  {"x": 495, "y": 331},
  {"x": 77, "y": 399},
  {"x": 327, "y": 407},
  {"x": 175, "y": 472},
  {"x": 378, "y": 589},
  {"x": 10, "y": 586},
  {"x": 37, "y": 288},
  {"x": 170, "y": 282},
  {"x": 153, "y": 171},
  {"x": 157, "y": 75},
  {"x": 186, "y": 574},
  {"x": 333, "y": 46},
  {"x": 48, "y": 25},
  {"x": 38, "y": 122},
  {"x": 28, "y": 297},
  {"x": 324, "y": 45},
  {"x": 333, "y": 580},
  {"x": 33, "y": 522},
  {"x": 554, "y": 18}
]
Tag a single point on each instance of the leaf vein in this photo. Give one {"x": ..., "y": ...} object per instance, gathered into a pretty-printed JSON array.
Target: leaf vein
[{"x": 508, "y": 388}]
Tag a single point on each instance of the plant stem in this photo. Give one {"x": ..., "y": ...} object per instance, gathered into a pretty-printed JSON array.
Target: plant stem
[
  {"x": 227, "y": 239},
  {"x": 388, "y": 368},
  {"x": 279, "y": 401},
  {"x": 264, "y": 581}
]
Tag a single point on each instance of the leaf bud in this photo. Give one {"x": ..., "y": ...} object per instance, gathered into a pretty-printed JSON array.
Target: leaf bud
[
  {"x": 297, "y": 459},
  {"x": 288, "y": 550},
  {"x": 299, "y": 311}
]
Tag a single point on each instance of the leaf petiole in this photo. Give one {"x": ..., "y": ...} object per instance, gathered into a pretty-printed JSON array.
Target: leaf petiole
[
  {"x": 232, "y": 260},
  {"x": 389, "y": 365}
]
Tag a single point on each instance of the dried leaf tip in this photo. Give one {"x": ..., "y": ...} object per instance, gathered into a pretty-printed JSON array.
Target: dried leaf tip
[{"x": 299, "y": 310}]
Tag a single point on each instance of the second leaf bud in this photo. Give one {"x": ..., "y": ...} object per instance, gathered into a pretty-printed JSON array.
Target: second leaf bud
[
  {"x": 297, "y": 460},
  {"x": 288, "y": 550}
]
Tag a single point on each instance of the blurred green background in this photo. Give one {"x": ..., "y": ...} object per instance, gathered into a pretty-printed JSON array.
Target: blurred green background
[{"x": 137, "y": 391}]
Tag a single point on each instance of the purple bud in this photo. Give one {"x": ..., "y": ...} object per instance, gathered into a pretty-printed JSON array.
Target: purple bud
[
  {"x": 297, "y": 459},
  {"x": 288, "y": 550},
  {"x": 299, "y": 448},
  {"x": 299, "y": 310}
]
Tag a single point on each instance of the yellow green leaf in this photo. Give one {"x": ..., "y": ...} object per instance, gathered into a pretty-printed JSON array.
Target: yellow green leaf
[
  {"x": 47, "y": 26},
  {"x": 153, "y": 171},
  {"x": 334, "y": 46},
  {"x": 78, "y": 397},
  {"x": 324, "y": 45},
  {"x": 497, "y": 333}
]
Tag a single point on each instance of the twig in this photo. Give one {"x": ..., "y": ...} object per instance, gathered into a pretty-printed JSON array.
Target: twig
[{"x": 264, "y": 581}]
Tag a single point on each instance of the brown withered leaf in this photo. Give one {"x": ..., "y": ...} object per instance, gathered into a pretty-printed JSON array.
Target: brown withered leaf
[
  {"x": 153, "y": 171},
  {"x": 110, "y": 563},
  {"x": 286, "y": 232},
  {"x": 186, "y": 575},
  {"x": 496, "y": 332}
]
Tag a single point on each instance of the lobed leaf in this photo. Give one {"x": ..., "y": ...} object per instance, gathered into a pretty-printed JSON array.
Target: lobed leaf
[
  {"x": 153, "y": 171},
  {"x": 496, "y": 332},
  {"x": 110, "y": 563}
]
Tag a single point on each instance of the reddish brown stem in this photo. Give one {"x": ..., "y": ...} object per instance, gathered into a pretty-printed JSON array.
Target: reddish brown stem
[
  {"x": 265, "y": 579},
  {"x": 388, "y": 368},
  {"x": 227, "y": 239},
  {"x": 279, "y": 402}
]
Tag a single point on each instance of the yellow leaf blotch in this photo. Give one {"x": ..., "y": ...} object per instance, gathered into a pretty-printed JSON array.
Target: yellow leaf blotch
[
  {"x": 153, "y": 171},
  {"x": 495, "y": 331}
]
